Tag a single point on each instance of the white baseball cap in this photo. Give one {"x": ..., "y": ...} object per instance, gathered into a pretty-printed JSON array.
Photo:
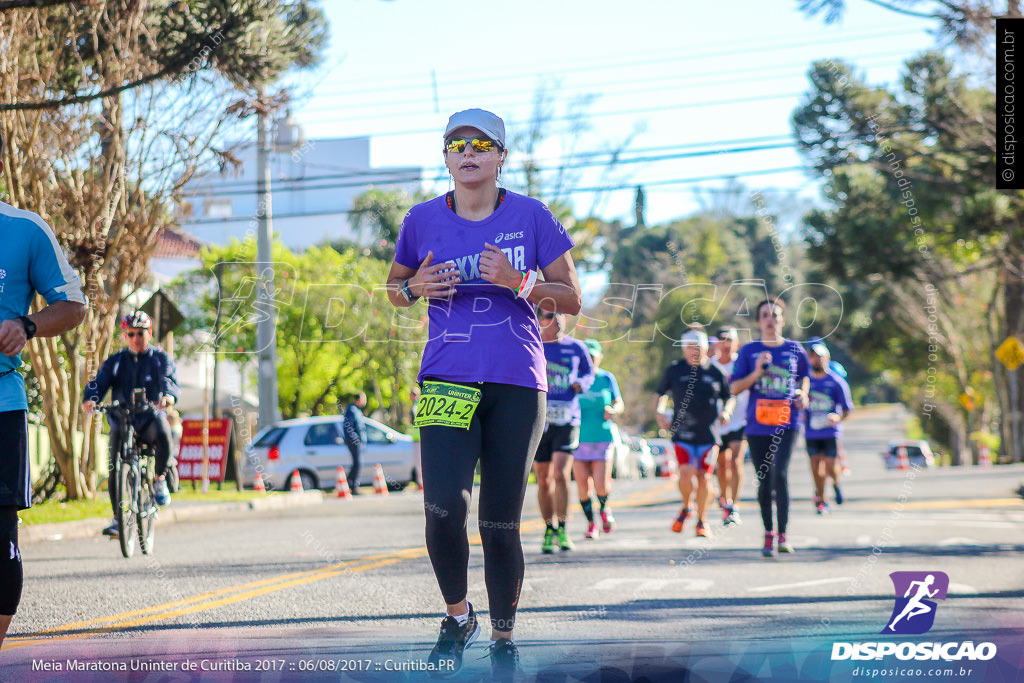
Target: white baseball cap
[
  {"x": 694, "y": 337},
  {"x": 484, "y": 121}
]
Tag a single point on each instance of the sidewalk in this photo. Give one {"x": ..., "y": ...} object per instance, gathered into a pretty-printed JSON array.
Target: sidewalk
[{"x": 175, "y": 512}]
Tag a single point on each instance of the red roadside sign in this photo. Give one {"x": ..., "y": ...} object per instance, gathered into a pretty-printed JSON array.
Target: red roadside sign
[{"x": 190, "y": 458}]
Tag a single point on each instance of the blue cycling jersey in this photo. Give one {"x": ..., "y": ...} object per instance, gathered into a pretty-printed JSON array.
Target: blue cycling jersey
[{"x": 31, "y": 262}]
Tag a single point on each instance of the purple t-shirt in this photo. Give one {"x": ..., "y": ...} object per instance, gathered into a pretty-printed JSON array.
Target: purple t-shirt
[
  {"x": 779, "y": 383},
  {"x": 484, "y": 333},
  {"x": 829, "y": 394},
  {"x": 568, "y": 362}
]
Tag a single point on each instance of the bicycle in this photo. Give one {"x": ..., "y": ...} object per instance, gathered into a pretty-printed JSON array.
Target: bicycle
[{"x": 134, "y": 469}]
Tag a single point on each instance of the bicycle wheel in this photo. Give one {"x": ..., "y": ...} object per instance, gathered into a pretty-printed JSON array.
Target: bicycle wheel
[
  {"x": 127, "y": 496},
  {"x": 147, "y": 512}
]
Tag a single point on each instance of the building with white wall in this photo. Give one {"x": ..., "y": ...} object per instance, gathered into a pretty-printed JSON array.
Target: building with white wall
[{"x": 314, "y": 184}]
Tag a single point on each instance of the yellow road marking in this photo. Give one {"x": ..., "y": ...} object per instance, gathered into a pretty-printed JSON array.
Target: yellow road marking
[
  {"x": 200, "y": 597},
  {"x": 232, "y": 594},
  {"x": 196, "y": 607}
]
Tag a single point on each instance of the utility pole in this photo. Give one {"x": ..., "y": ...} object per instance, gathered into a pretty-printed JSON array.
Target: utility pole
[
  {"x": 218, "y": 271},
  {"x": 266, "y": 326}
]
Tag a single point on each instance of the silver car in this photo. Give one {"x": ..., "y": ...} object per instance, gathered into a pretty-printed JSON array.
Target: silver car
[{"x": 315, "y": 447}]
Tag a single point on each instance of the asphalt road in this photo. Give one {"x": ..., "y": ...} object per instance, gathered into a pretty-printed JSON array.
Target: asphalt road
[{"x": 344, "y": 590}]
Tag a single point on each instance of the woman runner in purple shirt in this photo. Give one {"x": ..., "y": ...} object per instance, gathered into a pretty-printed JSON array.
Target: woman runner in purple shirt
[
  {"x": 474, "y": 255},
  {"x": 776, "y": 372}
]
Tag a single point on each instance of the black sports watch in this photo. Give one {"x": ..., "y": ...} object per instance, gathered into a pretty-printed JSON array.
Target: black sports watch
[
  {"x": 407, "y": 293},
  {"x": 30, "y": 327}
]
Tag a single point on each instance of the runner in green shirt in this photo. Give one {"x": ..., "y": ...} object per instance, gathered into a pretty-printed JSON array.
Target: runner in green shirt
[{"x": 597, "y": 406}]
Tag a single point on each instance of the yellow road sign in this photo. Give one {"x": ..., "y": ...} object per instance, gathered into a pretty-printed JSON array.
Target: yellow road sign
[{"x": 1011, "y": 353}]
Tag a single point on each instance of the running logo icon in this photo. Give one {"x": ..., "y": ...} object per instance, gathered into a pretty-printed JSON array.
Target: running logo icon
[{"x": 916, "y": 592}]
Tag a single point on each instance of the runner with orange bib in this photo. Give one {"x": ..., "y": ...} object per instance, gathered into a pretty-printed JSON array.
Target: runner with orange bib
[{"x": 776, "y": 371}]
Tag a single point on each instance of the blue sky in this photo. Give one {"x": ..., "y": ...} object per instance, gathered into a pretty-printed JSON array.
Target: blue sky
[{"x": 662, "y": 80}]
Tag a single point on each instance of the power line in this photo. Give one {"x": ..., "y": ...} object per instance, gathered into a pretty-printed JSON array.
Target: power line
[
  {"x": 704, "y": 79},
  {"x": 614, "y": 157},
  {"x": 384, "y": 174},
  {"x": 784, "y": 139},
  {"x": 574, "y": 190},
  {"x": 621, "y": 112},
  {"x": 656, "y": 58}
]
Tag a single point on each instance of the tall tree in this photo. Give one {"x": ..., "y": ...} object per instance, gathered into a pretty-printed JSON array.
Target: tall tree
[
  {"x": 909, "y": 176},
  {"x": 108, "y": 109},
  {"x": 337, "y": 333}
]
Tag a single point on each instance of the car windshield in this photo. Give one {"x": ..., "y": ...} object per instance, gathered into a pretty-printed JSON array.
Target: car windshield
[
  {"x": 912, "y": 451},
  {"x": 271, "y": 438}
]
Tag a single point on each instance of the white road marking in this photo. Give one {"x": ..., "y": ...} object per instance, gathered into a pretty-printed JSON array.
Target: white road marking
[
  {"x": 863, "y": 540},
  {"x": 950, "y": 521},
  {"x": 801, "y": 584},
  {"x": 653, "y": 584},
  {"x": 528, "y": 585},
  {"x": 958, "y": 540},
  {"x": 962, "y": 589}
]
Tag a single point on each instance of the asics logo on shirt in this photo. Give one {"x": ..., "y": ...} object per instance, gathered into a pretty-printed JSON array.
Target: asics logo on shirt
[
  {"x": 508, "y": 236},
  {"x": 3, "y": 273}
]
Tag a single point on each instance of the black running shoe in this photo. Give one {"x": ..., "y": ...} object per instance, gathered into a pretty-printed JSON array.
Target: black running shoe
[
  {"x": 504, "y": 659},
  {"x": 446, "y": 658}
]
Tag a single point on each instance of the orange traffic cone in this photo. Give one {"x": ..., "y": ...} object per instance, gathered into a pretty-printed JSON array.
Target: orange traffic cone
[
  {"x": 296, "y": 486},
  {"x": 902, "y": 459},
  {"x": 670, "y": 468},
  {"x": 380, "y": 484},
  {"x": 984, "y": 456},
  {"x": 258, "y": 485},
  {"x": 341, "y": 489},
  {"x": 845, "y": 467}
]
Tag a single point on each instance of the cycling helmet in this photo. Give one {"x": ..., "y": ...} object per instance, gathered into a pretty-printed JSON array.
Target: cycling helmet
[{"x": 137, "y": 320}]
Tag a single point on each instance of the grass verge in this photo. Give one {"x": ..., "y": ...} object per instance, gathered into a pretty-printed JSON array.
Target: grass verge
[{"x": 53, "y": 511}]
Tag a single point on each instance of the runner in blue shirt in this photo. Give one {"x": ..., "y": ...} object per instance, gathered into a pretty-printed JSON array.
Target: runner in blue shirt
[
  {"x": 830, "y": 404},
  {"x": 31, "y": 262},
  {"x": 569, "y": 373},
  {"x": 774, "y": 369}
]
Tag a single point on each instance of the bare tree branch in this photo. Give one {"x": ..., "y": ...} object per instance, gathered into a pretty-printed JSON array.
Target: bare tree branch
[{"x": 33, "y": 4}]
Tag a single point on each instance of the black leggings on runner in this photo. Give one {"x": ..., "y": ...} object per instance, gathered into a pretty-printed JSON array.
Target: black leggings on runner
[
  {"x": 503, "y": 436},
  {"x": 10, "y": 561},
  {"x": 770, "y": 453}
]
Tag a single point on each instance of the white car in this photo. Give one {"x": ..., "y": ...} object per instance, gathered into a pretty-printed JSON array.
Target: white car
[
  {"x": 918, "y": 453},
  {"x": 625, "y": 461},
  {"x": 664, "y": 454},
  {"x": 315, "y": 447}
]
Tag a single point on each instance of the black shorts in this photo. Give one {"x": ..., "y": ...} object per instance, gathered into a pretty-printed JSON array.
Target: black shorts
[
  {"x": 827, "y": 447},
  {"x": 557, "y": 439},
  {"x": 15, "y": 477},
  {"x": 738, "y": 435}
]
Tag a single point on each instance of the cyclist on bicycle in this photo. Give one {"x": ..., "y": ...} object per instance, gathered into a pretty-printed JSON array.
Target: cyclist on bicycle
[{"x": 138, "y": 366}]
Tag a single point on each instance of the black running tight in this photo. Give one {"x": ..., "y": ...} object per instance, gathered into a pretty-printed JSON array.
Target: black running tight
[
  {"x": 10, "y": 562},
  {"x": 770, "y": 454},
  {"x": 503, "y": 437}
]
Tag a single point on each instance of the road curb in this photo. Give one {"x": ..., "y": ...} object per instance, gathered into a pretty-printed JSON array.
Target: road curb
[{"x": 85, "y": 528}]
